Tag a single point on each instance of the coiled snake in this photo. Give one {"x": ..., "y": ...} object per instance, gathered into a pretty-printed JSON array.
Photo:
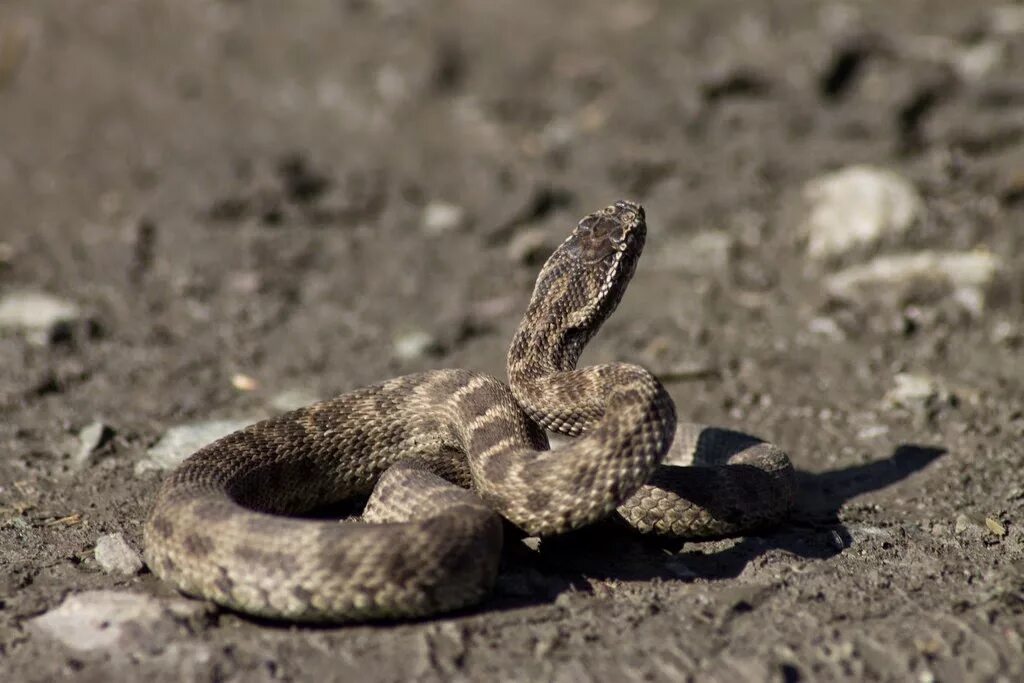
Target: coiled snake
[{"x": 444, "y": 453}]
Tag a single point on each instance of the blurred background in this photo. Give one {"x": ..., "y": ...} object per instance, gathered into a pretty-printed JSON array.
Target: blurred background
[{"x": 217, "y": 210}]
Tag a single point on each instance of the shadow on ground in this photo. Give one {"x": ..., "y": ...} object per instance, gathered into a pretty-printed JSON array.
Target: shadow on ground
[{"x": 607, "y": 551}]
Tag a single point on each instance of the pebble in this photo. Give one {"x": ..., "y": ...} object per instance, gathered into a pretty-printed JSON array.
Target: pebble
[
  {"x": 179, "y": 442},
  {"x": 916, "y": 393},
  {"x": 966, "y": 525},
  {"x": 1004, "y": 332},
  {"x": 414, "y": 345},
  {"x": 826, "y": 327},
  {"x": 530, "y": 247},
  {"x": 109, "y": 620},
  {"x": 977, "y": 61},
  {"x": 243, "y": 382},
  {"x": 440, "y": 218},
  {"x": 43, "y": 319},
  {"x": 115, "y": 556},
  {"x": 91, "y": 439},
  {"x": 857, "y": 207},
  {"x": 963, "y": 270}
]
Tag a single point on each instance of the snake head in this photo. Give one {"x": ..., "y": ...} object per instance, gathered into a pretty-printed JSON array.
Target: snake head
[
  {"x": 601, "y": 254},
  {"x": 609, "y": 236},
  {"x": 579, "y": 287}
]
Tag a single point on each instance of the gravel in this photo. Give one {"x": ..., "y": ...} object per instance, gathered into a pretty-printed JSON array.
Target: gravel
[{"x": 115, "y": 556}]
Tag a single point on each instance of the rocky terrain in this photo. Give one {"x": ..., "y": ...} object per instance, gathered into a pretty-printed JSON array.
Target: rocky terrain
[{"x": 214, "y": 210}]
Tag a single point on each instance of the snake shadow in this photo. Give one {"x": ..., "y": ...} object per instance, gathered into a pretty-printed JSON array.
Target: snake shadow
[{"x": 538, "y": 574}]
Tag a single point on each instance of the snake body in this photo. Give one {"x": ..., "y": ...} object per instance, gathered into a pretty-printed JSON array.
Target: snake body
[{"x": 443, "y": 455}]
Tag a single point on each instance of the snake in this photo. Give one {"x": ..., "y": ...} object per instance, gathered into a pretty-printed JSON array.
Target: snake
[{"x": 444, "y": 460}]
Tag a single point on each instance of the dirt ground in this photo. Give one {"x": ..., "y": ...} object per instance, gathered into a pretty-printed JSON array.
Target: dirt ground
[{"x": 235, "y": 194}]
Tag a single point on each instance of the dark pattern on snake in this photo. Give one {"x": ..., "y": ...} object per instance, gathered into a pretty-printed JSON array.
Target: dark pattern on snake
[{"x": 443, "y": 453}]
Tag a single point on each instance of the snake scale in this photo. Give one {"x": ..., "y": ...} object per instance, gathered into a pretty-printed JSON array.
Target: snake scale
[{"x": 445, "y": 454}]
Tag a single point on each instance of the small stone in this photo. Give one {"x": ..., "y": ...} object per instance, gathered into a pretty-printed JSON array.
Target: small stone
[
  {"x": 857, "y": 207},
  {"x": 440, "y": 218},
  {"x": 179, "y": 442},
  {"x": 291, "y": 399},
  {"x": 917, "y": 393},
  {"x": 965, "y": 525},
  {"x": 961, "y": 270},
  {"x": 827, "y": 327},
  {"x": 43, "y": 319},
  {"x": 91, "y": 439},
  {"x": 1004, "y": 332},
  {"x": 116, "y": 622},
  {"x": 530, "y": 247},
  {"x": 971, "y": 299},
  {"x": 532, "y": 542},
  {"x": 866, "y": 532},
  {"x": 415, "y": 344},
  {"x": 995, "y": 527},
  {"x": 976, "y": 61},
  {"x": 115, "y": 556},
  {"x": 243, "y": 382}
]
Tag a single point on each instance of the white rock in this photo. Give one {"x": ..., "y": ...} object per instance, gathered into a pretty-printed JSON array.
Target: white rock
[
  {"x": 179, "y": 442},
  {"x": 112, "y": 620},
  {"x": 968, "y": 525},
  {"x": 441, "y": 217},
  {"x": 530, "y": 246},
  {"x": 1004, "y": 332},
  {"x": 856, "y": 207},
  {"x": 41, "y": 317},
  {"x": 115, "y": 556},
  {"x": 915, "y": 392},
  {"x": 969, "y": 269},
  {"x": 826, "y": 327},
  {"x": 90, "y": 439},
  {"x": 414, "y": 344},
  {"x": 977, "y": 61}
]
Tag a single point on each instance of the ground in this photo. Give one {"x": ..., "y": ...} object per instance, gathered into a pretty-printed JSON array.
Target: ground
[{"x": 248, "y": 198}]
